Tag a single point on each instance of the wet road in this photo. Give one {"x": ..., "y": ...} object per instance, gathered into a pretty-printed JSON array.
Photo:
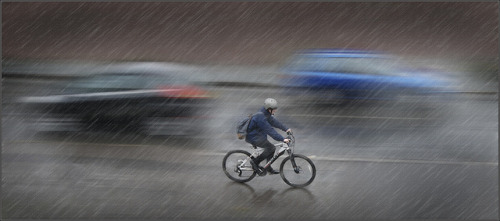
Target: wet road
[{"x": 411, "y": 159}]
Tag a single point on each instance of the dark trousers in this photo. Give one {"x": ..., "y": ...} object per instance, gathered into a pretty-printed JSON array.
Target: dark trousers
[{"x": 268, "y": 152}]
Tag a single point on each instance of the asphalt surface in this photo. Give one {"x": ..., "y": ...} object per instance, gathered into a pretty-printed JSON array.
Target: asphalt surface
[{"x": 426, "y": 158}]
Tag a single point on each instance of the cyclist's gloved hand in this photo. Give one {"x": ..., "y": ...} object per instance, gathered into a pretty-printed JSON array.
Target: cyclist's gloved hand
[{"x": 289, "y": 131}]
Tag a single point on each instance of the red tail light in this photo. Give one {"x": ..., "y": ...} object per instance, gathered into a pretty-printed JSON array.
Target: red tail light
[{"x": 183, "y": 91}]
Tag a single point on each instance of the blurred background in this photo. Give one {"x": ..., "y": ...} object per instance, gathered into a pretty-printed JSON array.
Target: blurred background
[
  {"x": 244, "y": 33},
  {"x": 113, "y": 110}
]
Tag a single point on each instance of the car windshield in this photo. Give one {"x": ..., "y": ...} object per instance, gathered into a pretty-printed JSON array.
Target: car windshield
[
  {"x": 121, "y": 82},
  {"x": 349, "y": 65}
]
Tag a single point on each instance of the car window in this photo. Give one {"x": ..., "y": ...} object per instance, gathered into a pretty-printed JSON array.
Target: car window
[
  {"x": 348, "y": 65},
  {"x": 109, "y": 81},
  {"x": 121, "y": 82}
]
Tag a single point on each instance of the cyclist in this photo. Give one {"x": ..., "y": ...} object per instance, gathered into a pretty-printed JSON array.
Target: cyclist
[{"x": 259, "y": 127}]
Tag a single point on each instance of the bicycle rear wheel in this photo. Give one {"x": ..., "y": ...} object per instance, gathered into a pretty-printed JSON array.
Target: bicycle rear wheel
[
  {"x": 236, "y": 165},
  {"x": 302, "y": 176}
]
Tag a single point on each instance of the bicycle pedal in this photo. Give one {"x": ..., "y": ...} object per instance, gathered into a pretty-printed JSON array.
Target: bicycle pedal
[{"x": 261, "y": 171}]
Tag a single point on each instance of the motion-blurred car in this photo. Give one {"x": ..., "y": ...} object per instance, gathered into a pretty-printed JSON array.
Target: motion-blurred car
[
  {"x": 340, "y": 74},
  {"x": 153, "y": 103}
]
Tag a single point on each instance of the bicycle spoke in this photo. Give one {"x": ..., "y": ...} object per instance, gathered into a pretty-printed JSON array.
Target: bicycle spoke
[
  {"x": 300, "y": 176},
  {"x": 237, "y": 167}
]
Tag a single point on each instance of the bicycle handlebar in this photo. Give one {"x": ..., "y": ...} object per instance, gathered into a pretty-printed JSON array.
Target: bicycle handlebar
[{"x": 291, "y": 138}]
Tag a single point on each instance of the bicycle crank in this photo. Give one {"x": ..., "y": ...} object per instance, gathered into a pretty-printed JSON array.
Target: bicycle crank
[{"x": 261, "y": 171}]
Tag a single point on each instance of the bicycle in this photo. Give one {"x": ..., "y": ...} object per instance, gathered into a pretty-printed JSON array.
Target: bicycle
[{"x": 296, "y": 170}]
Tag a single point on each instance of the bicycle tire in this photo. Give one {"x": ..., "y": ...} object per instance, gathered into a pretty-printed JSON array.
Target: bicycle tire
[
  {"x": 304, "y": 177},
  {"x": 229, "y": 166}
]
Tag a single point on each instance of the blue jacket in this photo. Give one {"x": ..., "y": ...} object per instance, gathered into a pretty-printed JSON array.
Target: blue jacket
[{"x": 261, "y": 125}]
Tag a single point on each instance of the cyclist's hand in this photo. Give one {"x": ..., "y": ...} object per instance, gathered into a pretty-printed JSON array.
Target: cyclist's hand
[
  {"x": 286, "y": 140},
  {"x": 289, "y": 131}
]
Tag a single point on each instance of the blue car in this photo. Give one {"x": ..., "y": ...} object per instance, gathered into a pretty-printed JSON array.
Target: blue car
[{"x": 357, "y": 74}]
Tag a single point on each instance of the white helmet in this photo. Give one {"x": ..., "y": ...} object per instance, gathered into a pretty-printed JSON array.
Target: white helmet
[{"x": 270, "y": 103}]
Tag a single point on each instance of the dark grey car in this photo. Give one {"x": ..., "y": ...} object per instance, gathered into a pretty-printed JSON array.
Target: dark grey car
[{"x": 153, "y": 103}]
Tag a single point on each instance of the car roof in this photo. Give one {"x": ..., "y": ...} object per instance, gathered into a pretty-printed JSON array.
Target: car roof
[{"x": 343, "y": 53}]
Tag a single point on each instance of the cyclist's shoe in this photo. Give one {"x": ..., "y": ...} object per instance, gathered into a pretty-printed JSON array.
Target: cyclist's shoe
[{"x": 271, "y": 171}]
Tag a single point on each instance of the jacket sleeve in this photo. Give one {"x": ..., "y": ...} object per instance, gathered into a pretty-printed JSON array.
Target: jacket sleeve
[
  {"x": 268, "y": 129},
  {"x": 275, "y": 123}
]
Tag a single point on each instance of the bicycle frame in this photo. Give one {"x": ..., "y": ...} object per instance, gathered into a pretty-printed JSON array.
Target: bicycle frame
[
  {"x": 282, "y": 149},
  {"x": 280, "y": 152}
]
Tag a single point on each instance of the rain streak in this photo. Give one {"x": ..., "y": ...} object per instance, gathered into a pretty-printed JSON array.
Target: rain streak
[{"x": 114, "y": 110}]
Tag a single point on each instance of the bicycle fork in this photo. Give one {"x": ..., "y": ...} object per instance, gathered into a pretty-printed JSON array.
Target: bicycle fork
[{"x": 296, "y": 169}]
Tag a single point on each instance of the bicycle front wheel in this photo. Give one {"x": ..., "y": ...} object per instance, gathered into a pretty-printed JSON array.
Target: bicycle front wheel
[
  {"x": 300, "y": 176},
  {"x": 236, "y": 165}
]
